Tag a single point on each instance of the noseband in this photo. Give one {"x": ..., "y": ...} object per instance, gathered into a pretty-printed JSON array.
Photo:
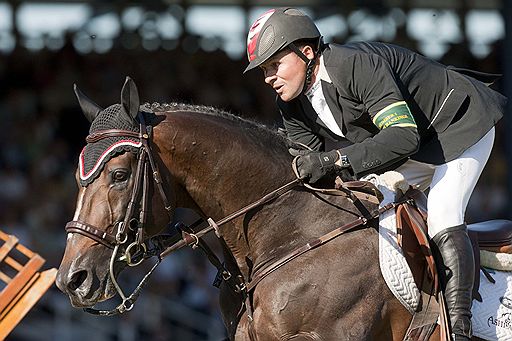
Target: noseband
[{"x": 136, "y": 251}]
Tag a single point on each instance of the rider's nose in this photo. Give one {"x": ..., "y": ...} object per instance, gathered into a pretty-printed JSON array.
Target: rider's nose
[{"x": 270, "y": 80}]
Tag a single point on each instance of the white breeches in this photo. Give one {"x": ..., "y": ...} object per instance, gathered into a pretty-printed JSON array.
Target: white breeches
[{"x": 451, "y": 184}]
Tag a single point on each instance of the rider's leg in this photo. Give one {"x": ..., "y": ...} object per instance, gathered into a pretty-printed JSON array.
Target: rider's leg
[
  {"x": 457, "y": 277},
  {"x": 451, "y": 188}
]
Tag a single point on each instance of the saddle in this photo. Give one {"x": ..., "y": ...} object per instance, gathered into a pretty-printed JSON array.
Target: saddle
[{"x": 493, "y": 236}]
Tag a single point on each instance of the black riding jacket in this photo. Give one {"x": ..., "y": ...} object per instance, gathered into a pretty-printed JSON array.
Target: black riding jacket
[{"x": 452, "y": 108}]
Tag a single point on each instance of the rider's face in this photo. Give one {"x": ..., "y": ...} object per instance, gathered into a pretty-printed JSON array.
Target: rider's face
[{"x": 285, "y": 73}]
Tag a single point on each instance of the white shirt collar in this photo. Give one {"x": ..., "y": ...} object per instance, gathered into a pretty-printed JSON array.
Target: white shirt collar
[
  {"x": 317, "y": 99},
  {"x": 322, "y": 72}
]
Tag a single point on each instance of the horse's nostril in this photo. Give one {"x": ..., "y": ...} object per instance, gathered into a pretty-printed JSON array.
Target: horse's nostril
[{"x": 77, "y": 279}]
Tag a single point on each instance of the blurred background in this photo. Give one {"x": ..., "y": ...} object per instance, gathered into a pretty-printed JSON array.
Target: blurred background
[{"x": 189, "y": 51}]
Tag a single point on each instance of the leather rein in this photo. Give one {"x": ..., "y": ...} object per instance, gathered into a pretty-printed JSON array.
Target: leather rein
[{"x": 140, "y": 248}]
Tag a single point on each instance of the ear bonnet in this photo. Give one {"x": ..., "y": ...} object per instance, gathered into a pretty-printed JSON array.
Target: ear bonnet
[
  {"x": 118, "y": 116},
  {"x": 94, "y": 155}
]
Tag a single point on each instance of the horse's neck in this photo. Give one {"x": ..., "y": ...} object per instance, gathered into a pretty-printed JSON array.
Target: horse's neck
[
  {"x": 218, "y": 163},
  {"x": 221, "y": 170}
]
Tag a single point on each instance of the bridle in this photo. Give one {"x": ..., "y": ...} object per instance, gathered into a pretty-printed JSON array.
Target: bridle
[{"x": 136, "y": 251}]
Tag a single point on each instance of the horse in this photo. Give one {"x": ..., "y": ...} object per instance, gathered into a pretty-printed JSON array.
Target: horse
[{"x": 216, "y": 163}]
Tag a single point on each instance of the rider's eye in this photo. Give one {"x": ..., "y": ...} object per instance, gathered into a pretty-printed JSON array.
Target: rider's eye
[{"x": 119, "y": 175}]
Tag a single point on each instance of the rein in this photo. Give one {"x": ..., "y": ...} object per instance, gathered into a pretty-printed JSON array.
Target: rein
[{"x": 191, "y": 239}]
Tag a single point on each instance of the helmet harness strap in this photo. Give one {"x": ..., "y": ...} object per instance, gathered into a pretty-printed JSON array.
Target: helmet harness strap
[{"x": 310, "y": 63}]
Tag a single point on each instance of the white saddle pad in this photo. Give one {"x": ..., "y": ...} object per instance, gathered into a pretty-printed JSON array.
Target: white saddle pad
[
  {"x": 392, "y": 262},
  {"x": 492, "y": 318}
]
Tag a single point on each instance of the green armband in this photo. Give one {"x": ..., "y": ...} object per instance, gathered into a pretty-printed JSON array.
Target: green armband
[{"x": 396, "y": 114}]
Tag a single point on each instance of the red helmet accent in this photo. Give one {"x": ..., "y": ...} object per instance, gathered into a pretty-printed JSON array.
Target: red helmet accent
[
  {"x": 276, "y": 29},
  {"x": 254, "y": 33}
]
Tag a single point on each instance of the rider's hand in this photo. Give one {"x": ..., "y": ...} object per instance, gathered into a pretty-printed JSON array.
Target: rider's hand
[{"x": 312, "y": 166}]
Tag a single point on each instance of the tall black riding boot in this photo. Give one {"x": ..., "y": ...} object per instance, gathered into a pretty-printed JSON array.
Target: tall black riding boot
[{"x": 457, "y": 277}]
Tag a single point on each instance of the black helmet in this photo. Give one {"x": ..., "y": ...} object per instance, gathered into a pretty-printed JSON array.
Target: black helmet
[{"x": 275, "y": 30}]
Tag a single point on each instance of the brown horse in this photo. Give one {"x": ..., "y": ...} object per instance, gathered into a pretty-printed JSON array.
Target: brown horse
[{"x": 216, "y": 163}]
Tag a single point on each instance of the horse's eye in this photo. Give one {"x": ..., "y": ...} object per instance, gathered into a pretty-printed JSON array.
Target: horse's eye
[{"x": 119, "y": 175}]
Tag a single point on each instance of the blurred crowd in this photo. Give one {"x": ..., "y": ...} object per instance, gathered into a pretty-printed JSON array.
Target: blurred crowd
[
  {"x": 44, "y": 128},
  {"x": 43, "y": 131}
]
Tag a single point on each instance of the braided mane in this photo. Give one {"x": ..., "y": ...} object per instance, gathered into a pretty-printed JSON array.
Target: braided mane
[{"x": 261, "y": 134}]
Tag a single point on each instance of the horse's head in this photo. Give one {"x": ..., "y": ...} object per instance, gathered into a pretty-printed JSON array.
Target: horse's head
[{"x": 118, "y": 204}]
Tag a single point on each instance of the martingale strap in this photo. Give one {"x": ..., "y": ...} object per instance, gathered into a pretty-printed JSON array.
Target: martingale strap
[
  {"x": 259, "y": 275},
  {"x": 191, "y": 239}
]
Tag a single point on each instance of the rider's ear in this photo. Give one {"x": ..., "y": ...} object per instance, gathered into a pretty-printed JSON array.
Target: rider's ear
[
  {"x": 308, "y": 52},
  {"x": 130, "y": 98},
  {"x": 89, "y": 108}
]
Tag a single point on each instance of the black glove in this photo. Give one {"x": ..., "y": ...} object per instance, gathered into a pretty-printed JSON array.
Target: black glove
[{"x": 315, "y": 165}]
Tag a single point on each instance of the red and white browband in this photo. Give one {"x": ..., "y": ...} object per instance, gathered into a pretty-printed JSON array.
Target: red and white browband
[{"x": 81, "y": 164}]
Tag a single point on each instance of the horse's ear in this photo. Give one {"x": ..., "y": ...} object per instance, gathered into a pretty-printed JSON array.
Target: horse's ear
[
  {"x": 89, "y": 108},
  {"x": 130, "y": 98}
]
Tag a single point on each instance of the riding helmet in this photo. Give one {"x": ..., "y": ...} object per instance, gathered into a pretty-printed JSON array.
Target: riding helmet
[{"x": 276, "y": 29}]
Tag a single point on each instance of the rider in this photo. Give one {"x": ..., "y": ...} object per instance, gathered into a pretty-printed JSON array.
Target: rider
[{"x": 390, "y": 108}]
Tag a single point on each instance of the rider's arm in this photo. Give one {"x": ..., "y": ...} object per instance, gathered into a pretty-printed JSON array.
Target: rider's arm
[
  {"x": 372, "y": 82},
  {"x": 297, "y": 130}
]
